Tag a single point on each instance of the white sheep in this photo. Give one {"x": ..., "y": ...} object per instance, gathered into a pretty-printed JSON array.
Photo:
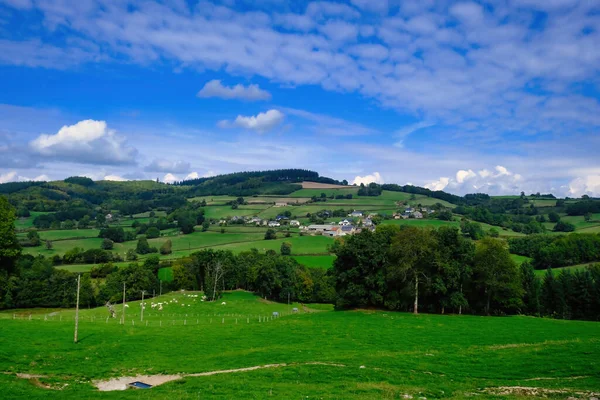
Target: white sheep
[
  {"x": 223, "y": 303},
  {"x": 126, "y": 305}
]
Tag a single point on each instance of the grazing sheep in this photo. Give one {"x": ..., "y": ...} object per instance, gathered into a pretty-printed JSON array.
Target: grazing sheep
[
  {"x": 126, "y": 305},
  {"x": 223, "y": 303},
  {"x": 275, "y": 314},
  {"x": 295, "y": 310}
]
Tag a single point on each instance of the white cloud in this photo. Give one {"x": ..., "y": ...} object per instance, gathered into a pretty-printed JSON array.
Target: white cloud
[
  {"x": 161, "y": 165},
  {"x": 8, "y": 176},
  {"x": 12, "y": 176},
  {"x": 115, "y": 178},
  {"x": 484, "y": 181},
  {"x": 374, "y": 177},
  {"x": 440, "y": 184},
  {"x": 371, "y": 5},
  {"x": 462, "y": 175},
  {"x": 170, "y": 178},
  {"x": 86, "y": 142},
  {"x": 589, "y": 185},
  {"x": 263, "y": 122},
  {"x": 402, "y": 133},
  {"x": 192, "y": 175},
  {"x": 252, "y": 92}
]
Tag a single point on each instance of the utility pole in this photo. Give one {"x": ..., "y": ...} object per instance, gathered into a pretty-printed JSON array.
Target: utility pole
[
  {"x": 142, "y": 313},
  {"x": 160, "y": 294},
  {"x": 77, "y": 309},
  {"x": 124, "y": 303},
  {"x": 288, "y": 302}
]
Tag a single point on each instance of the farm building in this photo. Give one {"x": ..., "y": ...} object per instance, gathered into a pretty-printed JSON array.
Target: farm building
[
  {"x": 294, "y": 223},
  {"x": 319, "y": 228},
  {"x": 281, "y": 204},
  {"x": 274, "y": 224}
]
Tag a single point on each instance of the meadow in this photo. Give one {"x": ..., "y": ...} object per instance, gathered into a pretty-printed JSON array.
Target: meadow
[
  {"x": 313, "y": 251},
  {"x": 316, "y": 353}
]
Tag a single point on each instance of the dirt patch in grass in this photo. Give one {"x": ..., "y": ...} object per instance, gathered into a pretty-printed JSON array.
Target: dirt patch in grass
[
  {"x": 536, "y": 392},
  {"x": 122, "y": 383},
  {"x": 316, "y": 185}
]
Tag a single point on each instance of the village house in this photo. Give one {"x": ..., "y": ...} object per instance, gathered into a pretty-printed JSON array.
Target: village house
[
  {"x": 334, "y": 231},
  {"x": 294, "y": 223},
  {"x": 417, "y": 215},
  {"x": 355, "y": 214},
  {"x": 344, "y": 222},
  {"x": 347, "y": 230},
  {"x": 274, "y": 224},
  {"x": 367, "y": 222},
  {"x": 281, "y": 204},
  {"x": 319, "y": 228},
  {"x": 108, "y": 217},
  {"x": 255, "y": 220}
]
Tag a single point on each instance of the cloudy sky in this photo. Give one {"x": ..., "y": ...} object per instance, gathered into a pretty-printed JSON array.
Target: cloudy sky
[{"x": 494, "y": 96}]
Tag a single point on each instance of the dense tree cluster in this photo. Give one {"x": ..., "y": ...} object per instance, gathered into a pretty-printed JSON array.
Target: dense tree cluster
[
  {"x": 557, "y": 251},
  {"x": 414, "y": 269},
  {"x": 583, "y": 207},
  {"x": 270, "y": 275},
  {"x": 372, "y": 189},
  {"x": 570, "y": 295}
]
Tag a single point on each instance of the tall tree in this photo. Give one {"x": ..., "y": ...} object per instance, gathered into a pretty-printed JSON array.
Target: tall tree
[
  {"x": 413, "y": 256},
  {"x": 10, "y": 249},
  {"x": 453, "y": 270},
  {"x": 497, "y": 275},
  {"x": 531, "y": 289}
]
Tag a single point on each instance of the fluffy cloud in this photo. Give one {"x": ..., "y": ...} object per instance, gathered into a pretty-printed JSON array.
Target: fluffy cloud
[
  {"x": 86, "y": 142},
  {"x": 502, "y": 181},
  {"x": 8, "y": 176},
  {"x": 214, "y": 88},
  {"x": 374, "y": 177},
  {"x": 589, "y": 185},
  {"x": 263, "y": 122},
  {"x": 161, "y": 165},
  {"x": 170, "y": 178},
  {"x": 192, "y": 175},
  {"x": 115, "y": 178},
  {"x": 440, "y": 184},
  {"x": 12, "y": 176}
]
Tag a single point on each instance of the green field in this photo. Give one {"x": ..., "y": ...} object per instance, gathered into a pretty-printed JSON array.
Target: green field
[
  {"x": 320, "y": 354},
  {"x": 555, "y": 271},
  {"x": 324, "y": 262},
  {"x": 308, "y": 193}
]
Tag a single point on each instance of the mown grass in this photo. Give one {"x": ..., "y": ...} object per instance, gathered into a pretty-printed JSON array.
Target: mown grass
[
  {"x": 556, "y": 271},
  {"x": 324, "y": 262},
  {"x": 377, "y": 354}
]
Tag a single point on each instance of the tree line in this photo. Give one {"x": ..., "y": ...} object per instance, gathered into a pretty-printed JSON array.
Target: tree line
[
  {"x": 557, "y": 251},
  {"x": 439, "y": 271}
]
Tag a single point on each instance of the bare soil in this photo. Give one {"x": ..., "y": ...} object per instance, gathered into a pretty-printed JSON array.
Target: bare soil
[{"x": 316, "y": 185}]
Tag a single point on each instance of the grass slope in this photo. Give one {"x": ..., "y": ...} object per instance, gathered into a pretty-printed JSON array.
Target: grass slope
[{"x": 377, "y": 355}]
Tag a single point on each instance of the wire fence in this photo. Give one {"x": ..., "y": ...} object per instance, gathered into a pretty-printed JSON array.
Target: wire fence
[{"x": 158, "y": 320}]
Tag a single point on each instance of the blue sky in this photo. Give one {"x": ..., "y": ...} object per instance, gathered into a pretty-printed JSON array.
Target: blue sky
[{"x": 494, "y": 96}]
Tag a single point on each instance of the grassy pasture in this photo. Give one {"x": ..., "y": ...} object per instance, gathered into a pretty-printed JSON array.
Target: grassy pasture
[
  {"x": 556, "y": 271},
  {"x": 65, "y": 234},
  {"x": 324, "y": 262},
  {"x": 327, "y": 354},
  {"x": 434, "y": 223},
  {"x": 519, "y": 259},
  {"x": 308, "y": 193}
]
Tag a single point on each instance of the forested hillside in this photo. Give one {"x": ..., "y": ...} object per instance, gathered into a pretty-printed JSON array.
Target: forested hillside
[{"x": 386, "y": 246}]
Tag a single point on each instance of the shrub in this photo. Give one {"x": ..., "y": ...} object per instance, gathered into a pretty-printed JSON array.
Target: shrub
[
  {"x": 270, "y": 234},
  {"x": 166, "y": 248},
  {"x": 152, "y": 233}
]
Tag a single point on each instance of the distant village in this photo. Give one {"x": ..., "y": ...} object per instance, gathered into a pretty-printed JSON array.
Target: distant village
[{"x": 355, "y": 222}]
